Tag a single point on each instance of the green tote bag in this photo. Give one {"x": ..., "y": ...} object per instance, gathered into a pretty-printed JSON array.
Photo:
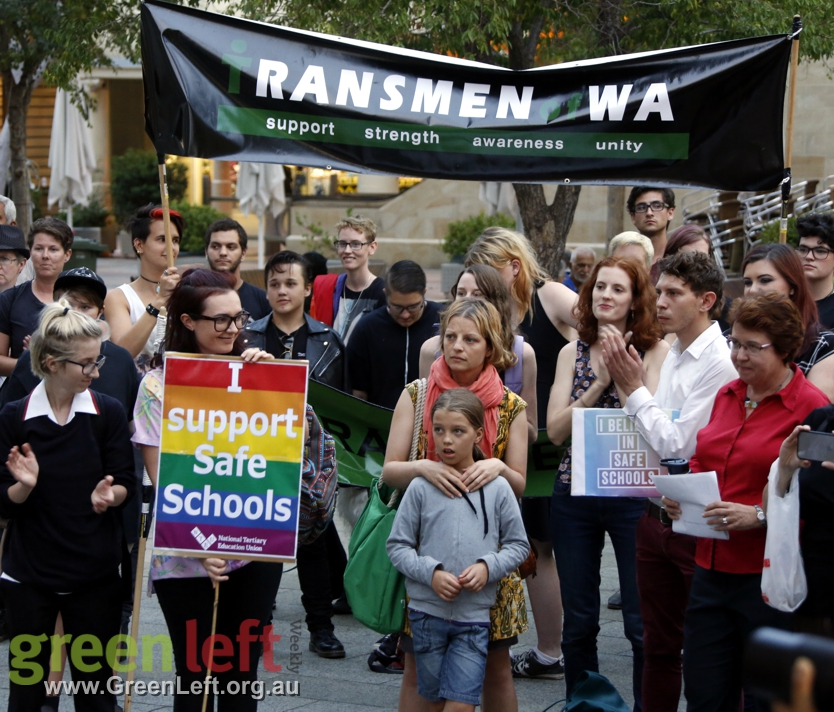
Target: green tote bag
[{"x": 374, "y": 588}]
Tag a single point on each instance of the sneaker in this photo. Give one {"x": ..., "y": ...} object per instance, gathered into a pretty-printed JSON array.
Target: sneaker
[
  {"x": 386, "y": 656},
  {"x": 527, "y": 664}
]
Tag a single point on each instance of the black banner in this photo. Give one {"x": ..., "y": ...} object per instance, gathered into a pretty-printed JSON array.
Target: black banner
[{"x": 221, "y": 87}]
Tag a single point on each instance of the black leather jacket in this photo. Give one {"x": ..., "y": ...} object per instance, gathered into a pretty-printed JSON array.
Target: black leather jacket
[{"x": 325, "y": 350}]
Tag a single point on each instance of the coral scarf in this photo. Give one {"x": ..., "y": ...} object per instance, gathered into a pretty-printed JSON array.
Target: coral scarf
[{"x": 487, "y": 387}]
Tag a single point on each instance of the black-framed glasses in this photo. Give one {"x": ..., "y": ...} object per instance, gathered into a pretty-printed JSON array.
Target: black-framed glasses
[
  {"x": 750, "y": 347},
  {"x": 819, "y": 252},
  {"x": 354, "y": 245},
  {"x": 655, "y": 205},
  {"x": 224, "y": 321},
  {"x": 410, "y": 308},
  {"x": 88, "y": 368}
]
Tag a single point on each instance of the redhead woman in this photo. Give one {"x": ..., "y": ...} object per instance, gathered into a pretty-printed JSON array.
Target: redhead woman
[
  {"x": 617, "y": 296},
  {"x": 473, "y": 351},
  {"x": 542, "y": 310}
]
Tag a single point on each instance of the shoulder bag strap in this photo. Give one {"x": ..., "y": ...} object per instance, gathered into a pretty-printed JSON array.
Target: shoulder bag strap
[{"x": 419, "y": 410}]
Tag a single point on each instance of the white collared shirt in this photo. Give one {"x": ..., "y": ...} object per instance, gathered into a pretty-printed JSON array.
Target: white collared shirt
[
  {"x": 39, "y": 405},
  {"x": 688, "y": 383}
]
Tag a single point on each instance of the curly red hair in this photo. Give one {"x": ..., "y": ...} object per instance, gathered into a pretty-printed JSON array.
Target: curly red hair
[{"x": 642, "y": 321}]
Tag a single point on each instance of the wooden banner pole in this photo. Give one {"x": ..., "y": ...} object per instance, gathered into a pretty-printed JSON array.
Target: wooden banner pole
[
  {"x": 786, "y": 181},
  {"x": 166, "y": 210},
  {"x": 144, "y": 529},
  {"x": 211, "y": 647}
]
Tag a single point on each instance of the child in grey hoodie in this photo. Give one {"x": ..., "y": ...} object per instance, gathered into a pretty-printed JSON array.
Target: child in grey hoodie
[{"x": 453, "y": 551}]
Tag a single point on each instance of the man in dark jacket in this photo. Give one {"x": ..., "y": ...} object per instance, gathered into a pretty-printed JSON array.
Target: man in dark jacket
[{"x": 289, "y": 333}]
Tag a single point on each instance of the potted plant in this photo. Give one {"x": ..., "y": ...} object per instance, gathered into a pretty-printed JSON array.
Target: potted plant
[{"x": 460, "y": 235}]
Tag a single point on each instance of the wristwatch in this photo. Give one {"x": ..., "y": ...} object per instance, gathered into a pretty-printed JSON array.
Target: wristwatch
[
  {"x": 760, "y": 515},
  {"x": 152, "y": 310}
]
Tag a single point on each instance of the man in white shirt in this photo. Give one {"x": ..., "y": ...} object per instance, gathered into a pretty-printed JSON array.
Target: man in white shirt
[{"x": 698, "y": 364}]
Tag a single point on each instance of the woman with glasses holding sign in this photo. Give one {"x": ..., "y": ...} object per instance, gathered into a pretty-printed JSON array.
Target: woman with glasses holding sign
[
  {"x": 750, "y": 418},
  {"x": 618, "y": 296},
  {"x": 205, "y": 317},
  {"x": 67, "y": 471}
]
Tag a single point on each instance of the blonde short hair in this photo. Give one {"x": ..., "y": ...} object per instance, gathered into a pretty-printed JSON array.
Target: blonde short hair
[
  {"x": 497, "y": 247},
  {"x": 633, "y": 238},
  {"x": 60, "y": 327},
  {"x": 488, "y": 321},
  {"x": 364, "y": 225}
]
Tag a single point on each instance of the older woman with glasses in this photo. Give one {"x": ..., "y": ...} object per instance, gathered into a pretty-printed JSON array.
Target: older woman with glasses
[{"x": 750, "y": 418}]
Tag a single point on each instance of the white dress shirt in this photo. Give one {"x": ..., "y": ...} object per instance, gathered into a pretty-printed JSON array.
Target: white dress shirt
[{"x": 688, "y": 383}]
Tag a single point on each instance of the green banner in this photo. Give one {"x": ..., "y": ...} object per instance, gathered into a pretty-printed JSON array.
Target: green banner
[
  {"x": 360, "y": 430},
  {"x": 450, "y": 139}
]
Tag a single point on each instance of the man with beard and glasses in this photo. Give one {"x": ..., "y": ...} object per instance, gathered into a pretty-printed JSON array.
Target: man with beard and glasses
[{"x": 226, "y": 242}]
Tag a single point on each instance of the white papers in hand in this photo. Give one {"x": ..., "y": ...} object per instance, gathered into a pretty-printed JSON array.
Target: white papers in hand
[{"x": 694, "y": 492}]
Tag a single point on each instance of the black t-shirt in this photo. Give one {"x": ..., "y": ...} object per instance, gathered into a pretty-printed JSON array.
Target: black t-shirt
[
  {"x": 825, "y": 307},
  {"x": 253, "y": 299},
  {"x": 118, "y": 378},
  {"x": 19, "y": 312},
  {"x": 377, "y": 360},
  {"x": 277, "y": 341},
  {"x": 353, "y": 305}
]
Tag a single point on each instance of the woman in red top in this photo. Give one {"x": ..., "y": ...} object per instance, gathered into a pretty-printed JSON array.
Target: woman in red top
[{"x": 750, "y": 419}]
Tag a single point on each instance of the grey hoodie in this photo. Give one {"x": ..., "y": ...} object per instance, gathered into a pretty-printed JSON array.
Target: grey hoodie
[{"x": 453, "y": 534}]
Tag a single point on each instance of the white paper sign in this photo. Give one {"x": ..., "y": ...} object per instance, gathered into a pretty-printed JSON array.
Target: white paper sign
[{"x": 694, "y": 492}]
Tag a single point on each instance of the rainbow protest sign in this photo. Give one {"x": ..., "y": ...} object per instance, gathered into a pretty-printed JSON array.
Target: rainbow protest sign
[{"x": 231, "y": 455}]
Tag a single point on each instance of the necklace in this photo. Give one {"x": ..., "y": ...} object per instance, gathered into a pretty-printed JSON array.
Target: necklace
[
  {"x": 148, "y": 280},
  {"x": 752, "y": 405},
  {"x": 349, "y": 310}
]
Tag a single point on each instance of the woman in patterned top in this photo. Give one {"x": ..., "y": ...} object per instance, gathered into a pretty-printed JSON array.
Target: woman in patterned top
[
  {"x": 777, "y": 268},
  {"x": 617, "y": 296},
  {"x": 205, "y": 316},
  {"x": 473, "y": 348}
]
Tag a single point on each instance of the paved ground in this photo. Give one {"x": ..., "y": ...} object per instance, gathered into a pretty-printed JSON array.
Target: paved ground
[{"x": 347, "y": 685}]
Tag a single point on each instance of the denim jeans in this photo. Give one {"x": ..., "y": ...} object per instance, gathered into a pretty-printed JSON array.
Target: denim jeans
[
  {"x": 450, "y": 658},
  {"x": 578, "y": 526}
]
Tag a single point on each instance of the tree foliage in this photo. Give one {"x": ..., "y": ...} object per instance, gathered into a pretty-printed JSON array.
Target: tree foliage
[
  {"x": 55, "y": 42},
  {"x": 134, "y": 181}
]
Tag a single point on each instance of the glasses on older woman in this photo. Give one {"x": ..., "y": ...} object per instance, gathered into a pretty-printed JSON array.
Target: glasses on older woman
[{"x": 751, "y": 347}]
